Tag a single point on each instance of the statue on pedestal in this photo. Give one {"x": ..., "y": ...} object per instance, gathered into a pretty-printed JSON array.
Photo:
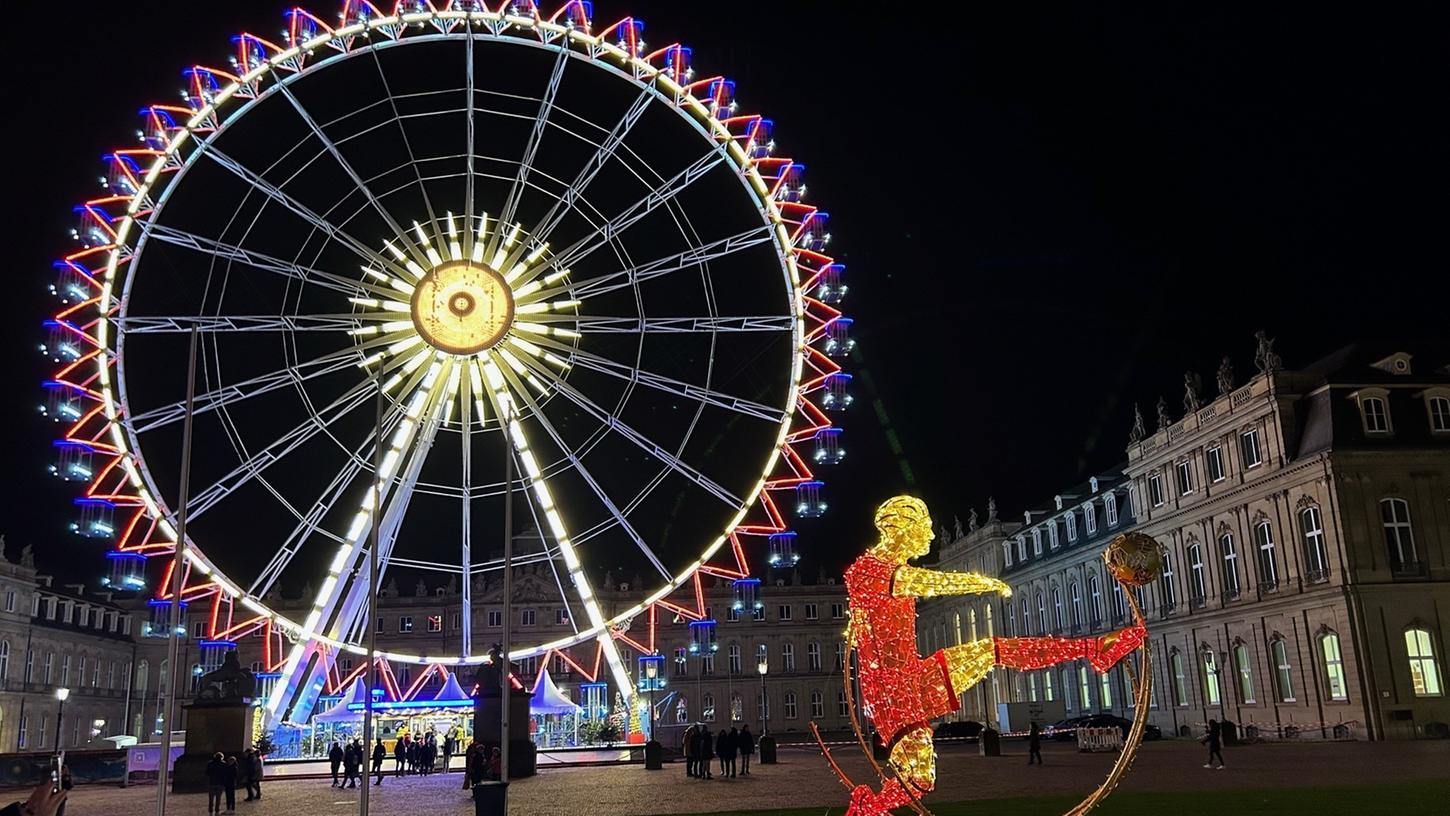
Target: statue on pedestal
[{"x": 228, "y": 683}]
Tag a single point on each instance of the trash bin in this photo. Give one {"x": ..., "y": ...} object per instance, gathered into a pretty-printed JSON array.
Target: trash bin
[
  {"x": 654, "y": 756},
  {"x": 490, "y": 799},
  {"x": 767, "y": 750},
  {"x": 989, "y": 742}
]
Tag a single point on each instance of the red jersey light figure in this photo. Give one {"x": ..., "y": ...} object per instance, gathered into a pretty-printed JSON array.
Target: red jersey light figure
[{"x": 901, "y": 690}]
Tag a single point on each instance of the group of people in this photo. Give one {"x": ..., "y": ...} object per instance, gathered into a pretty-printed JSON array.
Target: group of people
[
  {"x": 700, "y": 746},
  {"x": 350, "y": 760},
  {"x": 420, "y": 756},
  {"x": 224, "y": 773},
  {"x": 480, "y": 764}
]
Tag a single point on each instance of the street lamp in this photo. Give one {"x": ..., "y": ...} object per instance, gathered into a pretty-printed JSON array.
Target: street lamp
[
  {"x": 651, "y": 679},
  {"x": 762, "y": 665},
  {"x": 61, "y": 694}
]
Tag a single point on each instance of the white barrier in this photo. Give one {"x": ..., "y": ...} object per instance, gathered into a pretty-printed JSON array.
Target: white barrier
[{"x": 1100, "y": 739}]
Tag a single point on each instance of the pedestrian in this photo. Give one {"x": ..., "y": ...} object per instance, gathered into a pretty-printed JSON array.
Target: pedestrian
[
  {"x": 706, "y": 750},
  {"x": 468, "y": 760},
  {"x": 734, "y": 749},
  {"x": 430, "y": 751},
  {"x": 216, "y": 782},
  {"x": 229, "y": 783},
  {"x": 495, "y": 765},
  {"x": 379, "y": 754},
  {"x": 747, "y": 749},
  {"x": 721, "y": 747},
  {"x": 413, "y": 749},
  {"x": 1214, "y": 740},
  {"x": 450, "y": 745},
  {"x": 726, "y": 746},
  {"x": 351, "y": 759},
  {"x": 687, "y": 747},
  {"x": 1034, "y": 744},
  {"x": 400, "y": 755},
  {"x": 254, "y": 779},
  {"x": 334, "y": 757}
]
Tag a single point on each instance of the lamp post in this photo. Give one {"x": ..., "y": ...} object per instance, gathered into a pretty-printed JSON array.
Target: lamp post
[
  {"x": 651, "y": 679},
  {"x": 767, "y": 742},
  {"x": 61, "y": 694}
]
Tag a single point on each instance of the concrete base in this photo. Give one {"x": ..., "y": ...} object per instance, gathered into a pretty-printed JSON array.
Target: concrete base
[{"x": 211, "y": 728}]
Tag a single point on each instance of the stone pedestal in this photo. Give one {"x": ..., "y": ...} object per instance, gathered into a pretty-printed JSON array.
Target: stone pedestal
[
  {"x": 486, "y": 729},
  {"x": 211, "y": 727}
]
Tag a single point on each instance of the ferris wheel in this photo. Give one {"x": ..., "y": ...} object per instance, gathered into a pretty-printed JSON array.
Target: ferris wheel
[{"x": 440, "y": 237}]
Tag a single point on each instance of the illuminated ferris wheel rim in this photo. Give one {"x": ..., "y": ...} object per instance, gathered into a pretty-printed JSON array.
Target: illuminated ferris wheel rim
[{"x": 510, "y": 29}]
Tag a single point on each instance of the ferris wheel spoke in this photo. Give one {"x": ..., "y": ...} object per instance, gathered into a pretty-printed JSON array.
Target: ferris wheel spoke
[
  {"x": 578, "y": 464},
  {"x": 659, "y": 267},
  {"x": 531, "y": 151},
  {"x": 266, "y": 263},
  {"x": 296, "y": 207},
  {"x": 669, "y": 385},
  {"x": 656, "y": 197},
  {"x": 601, "y": 158},
  {"x": 713, "y": 324},
  {"x": 329, "y": 363},
  {"x": 403, "y": 237},
  {"x": 219, "y": 324},
  {"x": 403, "y": 132},
  {"x": 614, "y": 423}
]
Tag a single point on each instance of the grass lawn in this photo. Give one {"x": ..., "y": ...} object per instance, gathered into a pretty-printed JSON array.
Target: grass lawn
[{"x": 1409, "y": 799}]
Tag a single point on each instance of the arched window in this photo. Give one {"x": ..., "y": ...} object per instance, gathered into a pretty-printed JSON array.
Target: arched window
[
  {"x": 1026, "y": 622},
  {"x": 1007, "y": 553},
  {"x": 1180, "y": 685},
  {"x": 818, "y": 705},
  {"x": 1424, "y": 668},
  {"x": 1095, "y": 598},
  {"x": 1036, "y": 541},
  {"x": 1119, "y": 605},
  {"x": 787, "y": 656},
  {"x": 737, "y": 708},
  {"x": 813, "y": 656},
  {"x": 1197, "y": 579},
  {"x": 682, "y": 710},
  {"x": 1056, "y": 609},
  {"x": 143, "y": 676},
  {"x": 790, "y": 706},
  {"x": 1165, "y": 583},
  {"x": 707, "y": 707},
  {"x": 1245, "y": 668},
  {"x": 734, "y": 654},
  {"x": 1316, "y": 555},
  {"x": 1105, "y": 680},
  {"x": 1075, "y": 596},
  {"x": 163, "y": 677},
  {"x": 4, "y": 660},
  {"x": 1333, "y": 666},
  {"x": 1084, "y": 688},
  {"x": 1399, "y": 536},
  {"x": 1268, "y": 562},
  {"x": 1071, "y": 518},
  {"x": 1041, "y": 614},
  {"x": 972, "y": 623},
  {"x": 1231, "y": 586},
  {"x": 1047, "y": 690},
  {"x": 1283, "y": 670},
  {"x": 1211, "y": 694}
]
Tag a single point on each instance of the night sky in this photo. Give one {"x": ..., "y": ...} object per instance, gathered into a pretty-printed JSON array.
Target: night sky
[{"x": 1047, "y": 213}]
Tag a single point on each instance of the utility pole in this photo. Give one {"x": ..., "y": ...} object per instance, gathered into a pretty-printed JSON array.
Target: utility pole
[
  {"x": 178, "y": 564},
  {"x": 372, "y": 673},
  {"x": 508, "y": 586}
]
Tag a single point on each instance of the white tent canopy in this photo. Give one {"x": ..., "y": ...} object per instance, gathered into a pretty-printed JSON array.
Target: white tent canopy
[
  {"x": 453, "y": 693},
  {"x": 340, "y": 712},
  {"x": 547, "y": 698}
]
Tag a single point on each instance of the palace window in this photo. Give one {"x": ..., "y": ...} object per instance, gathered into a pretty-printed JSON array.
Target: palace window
[
  {"x": 1105, "y": 680},
  {"x": 1047, "y": 690},
  {"x": 1075, "y": 596},
  {"x": 1006, "y": 553},
  {"x": 435, "y": 623},
  {"x": 1185, "y": 477},
  {"x": 495, "y": 618},
  {"x": 813, "y": 656},
  {"x": 1424, "y": 669},
  {"x": 843, "y": 707},
  {"x": 790, "y": 705},
  {"x": 1230, "y": 552},
  {"x": 787, "y": 656},
  {"x": 529, "y": 617},
  {"x": 1165, "y": 583},
  {"x": 1375, "y": 414},
  {"x": 812, "y": 612},
  {"x": 1084, "y": 688},
  {"x": 405, "y": 623},
  {"x": 840, "y": 655},
  {"x": 1196, "y": 571},
  {"x": 1245, "y": 669},
  {"x": 1333, "y": 666},
  {"x": 1214, "y": 457},
  {"x": 1110, "y": 508},
  {"x": 818, "y": 705},
  {"x": 1095, "y": 597},
  {"x": 1052, "y": 534},
  {"x": 1283, "y": 671},
  {"x": 1056, "y": 609},
  {"x": 838, "y": 611},
  {"x": 707, "y": 707},
  {"x": 1155, "y": 490},
  {"x": 4, "y": 660},
  {"x": 682, "y": 710},
  {"x": 1090, "y": 518},
  {"x": 1268, "y": 563},
  {"x": 1316, "y": 556},
  {"x": 1439, "y": 408},
  {"x": 1180, "y": 686},
  {"x": 1249, "y": 445},
  {"x": 1071, "y": 519},
  {"x": 1041, "y": 615},
  {"x": 561, "y": 616},
  {"x": 1036, "y": 541},
  {"x": 1119, "y": 605},
  {"x": 734, "y": 653},
  {"x": 1022, "y": 548},
  {"x": 1399, "y": 536},
  {"x": 1210, "y": 678}
]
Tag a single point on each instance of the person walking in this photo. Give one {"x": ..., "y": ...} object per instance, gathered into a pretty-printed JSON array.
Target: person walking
[
  {"x": 400, "y": 755},
  {"x": 1214, "y": 740},
  {"x": 415, "y": 748},
  {"x": 351, "y": 759},
  {"x": 254, "y": 777},
  {"x": 379, "y": 754},
  {"x": 1034, "y": 744},
  {"x": 747, "y": 749},
  {"x": 688, "y": 749},
  {"x": 334, "y": 757},
  {"x": 229, "y": 782},
  {"x": 216, "y": 782},
  {"x": 450, "y": 745}
]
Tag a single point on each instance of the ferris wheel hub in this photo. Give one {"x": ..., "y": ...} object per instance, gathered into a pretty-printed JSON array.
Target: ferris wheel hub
[{"x": 462, "y": 308}]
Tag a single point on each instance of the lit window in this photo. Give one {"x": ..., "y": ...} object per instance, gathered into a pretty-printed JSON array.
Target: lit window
[
  {"x": 1424, "y": 669},
  {"x": 1283, "y": 672},
  {"x": 682, "y": 710},
  {"x": 405, "y": 623},
  {"x": 1376, "y": 415},
  {"x": 1249, "y": 444},
  {"x": 1155, "y": 490},
  {"x": 707, "y": 707},
  {"x": 1084, "y": 688},
  {"x": 1439, "y": 408},
  {"x": 1268, "y": 563},
  {"x": 1185, "y": 477},
  {"x": 1047, "y": 690},
  {"x": 1399, "y": 536},
  {"x": 1246, "y": 673},
  {"x": 1196, "y": 572},
  {"x": 1106, "y": 681},
  {"x": 1214, "y": 457},
  {"x": 1210, "y": 677},
  {"x": 1333, "y": 666},
  {"x": 1316, "y": 556},
  {"x": 1180, "y": 687},
  {"x": 435, "y": 623}
]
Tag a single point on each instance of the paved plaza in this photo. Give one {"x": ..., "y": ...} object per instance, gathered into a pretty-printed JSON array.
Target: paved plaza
[{"x": 801, "y": 779}]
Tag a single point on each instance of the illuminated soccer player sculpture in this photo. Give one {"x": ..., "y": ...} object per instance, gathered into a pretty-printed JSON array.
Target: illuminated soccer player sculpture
[{"x": 903, "y": 691}]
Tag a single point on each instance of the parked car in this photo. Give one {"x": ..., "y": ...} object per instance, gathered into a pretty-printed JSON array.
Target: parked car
[
  {"x": 968, "y": 729},
  {"x": 1065, "y": 730}
]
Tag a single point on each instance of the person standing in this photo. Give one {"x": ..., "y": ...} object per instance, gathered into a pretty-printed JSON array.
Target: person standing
[
  {"x": 734, "y": 749},
  {"x": 229, "y": 782},
  {"x": 687, "y": 747},
  {"x": 400, "y": 755},
  {"x": 449, "y": 746},
  {"x": 379, "y": 754},
  {"x": 1214, "y": 739},
  {"x": 707, "y": 753},
  {"x": 254, "y": 778},
  {"x": 216, "y": 782},
  {"x": 334, "y": 757},
  {"x": 468, "y": 756},
  {"x": 1034, "y": 744},
  {"x": 725, "y": 749},
  {"x": 747, "y": 749},
  {"x": 350, "y": 762}
]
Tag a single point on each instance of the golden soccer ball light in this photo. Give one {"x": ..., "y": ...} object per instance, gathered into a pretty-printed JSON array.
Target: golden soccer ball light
[{"x": 1134, "y": 558}]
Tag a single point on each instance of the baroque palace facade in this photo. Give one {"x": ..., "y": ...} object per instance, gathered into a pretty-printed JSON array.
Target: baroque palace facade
[{"x": 1306, "y": 526}]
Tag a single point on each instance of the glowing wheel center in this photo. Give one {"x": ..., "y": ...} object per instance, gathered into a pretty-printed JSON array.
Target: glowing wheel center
[{"x": 462, "y": 308}]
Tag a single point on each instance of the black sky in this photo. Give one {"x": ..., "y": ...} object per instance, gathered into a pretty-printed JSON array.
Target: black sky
[{"x": 1047, "y": 212}]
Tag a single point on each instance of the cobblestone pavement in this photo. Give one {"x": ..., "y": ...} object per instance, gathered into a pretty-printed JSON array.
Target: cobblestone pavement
[{"x": 802, "y": 779}]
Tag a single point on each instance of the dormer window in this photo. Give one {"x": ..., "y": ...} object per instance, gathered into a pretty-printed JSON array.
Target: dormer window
[
  {"x": 1036, "y": 541},
  {"x": 1374, "y": 410},
  {"x": 1437, "y": 404},
  {"x": 1052, "y": 535},
  {"x": 1071, "y": 519},
  {"x": 1007, "y": 553},
  {"x": 1110, "y": 505},
  {"x": 1057, "y": 500},
  {"x": 1093, "y": 484},
  {"x": 1021, "y": 548},
  {"x": 1398, "y": 363},
  {"x": 1090, "y": 518}
]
